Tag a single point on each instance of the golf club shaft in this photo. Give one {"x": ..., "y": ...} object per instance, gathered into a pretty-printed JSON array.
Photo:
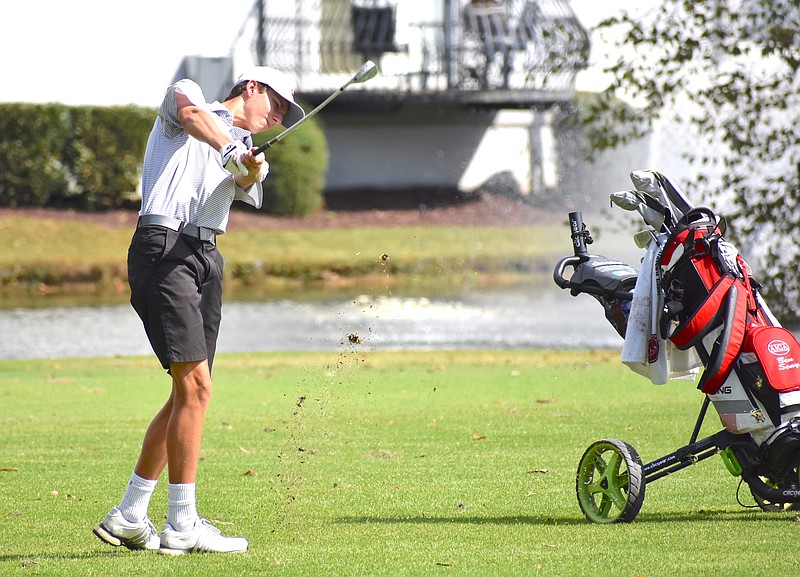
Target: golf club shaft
[{"x": 295, "y": 126}]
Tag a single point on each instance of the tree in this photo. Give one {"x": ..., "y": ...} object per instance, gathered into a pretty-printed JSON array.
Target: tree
[{"x": 728, "y": 68}]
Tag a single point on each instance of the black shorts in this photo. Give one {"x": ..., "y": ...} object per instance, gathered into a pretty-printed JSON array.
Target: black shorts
[{"x": 176, "y": 289}]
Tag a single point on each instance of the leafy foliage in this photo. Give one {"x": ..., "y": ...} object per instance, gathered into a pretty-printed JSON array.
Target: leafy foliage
[
  {"x": 729, "y": 70},
  {"x": 31, "y": 142},
  {"x": 106, "y": 153},
  {"x": 83, "y": 157},
  {"x": 90, "y": 158}
]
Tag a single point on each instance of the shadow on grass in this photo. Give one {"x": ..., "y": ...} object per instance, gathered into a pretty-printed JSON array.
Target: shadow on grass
[
  {"x": 33, "y": 558},
  {"x": 706, "y": 516},
  {"x": 714, "y": 516},
  {"x": 510, "y": 520}
]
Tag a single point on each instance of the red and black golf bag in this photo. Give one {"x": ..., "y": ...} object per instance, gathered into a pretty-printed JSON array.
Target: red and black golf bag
[{"x": 752, "y": 365}]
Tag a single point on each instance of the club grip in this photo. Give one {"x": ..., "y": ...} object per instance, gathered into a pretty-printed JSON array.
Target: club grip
[{"x": 262, "y": 148}]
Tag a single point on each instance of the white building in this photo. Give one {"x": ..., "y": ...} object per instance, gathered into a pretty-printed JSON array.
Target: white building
[{"x": 468, "y": 97}]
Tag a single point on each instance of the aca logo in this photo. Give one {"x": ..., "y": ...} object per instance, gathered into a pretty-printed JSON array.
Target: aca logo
[{"x": 778, "y": 347}]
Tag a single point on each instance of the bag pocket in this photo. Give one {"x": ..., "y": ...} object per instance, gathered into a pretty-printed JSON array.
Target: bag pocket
[{"x": 778, "y": 354}]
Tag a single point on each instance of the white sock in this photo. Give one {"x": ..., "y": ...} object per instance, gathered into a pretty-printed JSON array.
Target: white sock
[
  {"x": 137, "y": 498},
  {"x": 182, "y": 506}
]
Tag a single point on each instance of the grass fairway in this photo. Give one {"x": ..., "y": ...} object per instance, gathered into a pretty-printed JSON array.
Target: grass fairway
[{"x": 358, "y": 463}]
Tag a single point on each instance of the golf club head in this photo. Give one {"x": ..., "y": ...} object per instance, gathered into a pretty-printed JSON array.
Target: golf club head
[
  {"x": 626, "y": 199},
  {"x": 645, "y": 181},
  {"x": 633, "y": 201},
  {"x": 367, "y": 71},
  {"x": 658, "y": 187}
]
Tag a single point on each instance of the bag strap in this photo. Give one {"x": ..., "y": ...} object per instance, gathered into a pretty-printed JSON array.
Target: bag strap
[
  {"x": 691, "y": 331},
  {"x": 729, "y": 301},
  {"x": 752, "y": 306},
  {"x": 729, "y": 343}
]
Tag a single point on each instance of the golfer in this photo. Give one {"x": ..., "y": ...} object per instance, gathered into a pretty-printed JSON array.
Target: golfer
[{"x": 199, "y": 159}]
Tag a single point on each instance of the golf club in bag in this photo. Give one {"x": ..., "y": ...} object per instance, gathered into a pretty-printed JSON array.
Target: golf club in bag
[
  {"x": 367, "y": 71},
  {"x": 702, "y": 301}
]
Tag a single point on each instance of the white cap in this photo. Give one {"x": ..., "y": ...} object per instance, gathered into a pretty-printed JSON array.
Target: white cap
[{"x": 281, "y": 83}]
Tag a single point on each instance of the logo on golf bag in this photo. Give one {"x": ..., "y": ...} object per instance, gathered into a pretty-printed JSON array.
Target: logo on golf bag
[
  {"x": 653, "y": 349},
  {"x": 777, "y": 351},
  {"x": 778, "y": 348}
]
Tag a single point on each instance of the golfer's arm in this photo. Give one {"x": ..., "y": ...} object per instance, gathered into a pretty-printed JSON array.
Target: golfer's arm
[{"x": 199, "y": 124}]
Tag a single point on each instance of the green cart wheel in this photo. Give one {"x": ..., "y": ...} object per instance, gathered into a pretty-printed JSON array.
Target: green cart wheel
[{"x": 610, "y": 482}]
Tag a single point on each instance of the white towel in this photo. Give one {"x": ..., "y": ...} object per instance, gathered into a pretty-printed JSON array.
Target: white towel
[{"x": 644, "y": 351}]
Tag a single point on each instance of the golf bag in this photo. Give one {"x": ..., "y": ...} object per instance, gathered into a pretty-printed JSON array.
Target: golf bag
[
  {"x": 702, "y": 299},
  {"x": 711, "y": 303}
]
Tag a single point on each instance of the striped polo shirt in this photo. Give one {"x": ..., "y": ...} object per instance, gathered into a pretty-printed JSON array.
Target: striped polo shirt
[{"x": 182, "y": 177}]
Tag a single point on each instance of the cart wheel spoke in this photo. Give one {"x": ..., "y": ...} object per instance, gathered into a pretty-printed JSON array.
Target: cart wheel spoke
[{"x": 610, "y": 482}]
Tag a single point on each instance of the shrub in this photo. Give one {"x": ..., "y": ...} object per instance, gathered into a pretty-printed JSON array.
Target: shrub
[
  {"x": 32, "y": 138},
  {"x": 83, "y": 157},
  {"x": 298, "y": 163},
  {"x": 106, "y": 154},
  {"x": 90, "y": 158}
]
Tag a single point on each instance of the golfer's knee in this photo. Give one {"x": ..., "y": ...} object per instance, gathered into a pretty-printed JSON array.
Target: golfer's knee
[
  {"x": 192, "y": 383},
  {"x": 198, "y": 393}
]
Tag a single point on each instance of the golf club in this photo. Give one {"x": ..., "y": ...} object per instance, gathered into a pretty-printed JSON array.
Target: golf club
[{"x": 368, "y": 70}]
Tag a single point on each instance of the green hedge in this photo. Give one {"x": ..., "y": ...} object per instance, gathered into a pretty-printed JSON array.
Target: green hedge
[
  {"x": 85, "y": 157},
  {"x": 297, "y": 170},
  {"x": 90, "y": 158}
]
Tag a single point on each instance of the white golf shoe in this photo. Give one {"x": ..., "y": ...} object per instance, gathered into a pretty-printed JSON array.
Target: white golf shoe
[
  {"x": 202, "y": 537},
  {"x": 116, "y": 530}
]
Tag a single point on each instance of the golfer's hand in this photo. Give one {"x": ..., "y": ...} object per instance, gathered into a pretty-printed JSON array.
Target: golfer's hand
[
  {"x": 261, "y": 167},
  {"x": 234, "y": 157},
  {"x": 257, "y": 169}
]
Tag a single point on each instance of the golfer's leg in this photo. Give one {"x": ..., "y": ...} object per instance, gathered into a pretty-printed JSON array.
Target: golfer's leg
[
  {"x": 185, "y": 532},
  {"x": 128, "y": 524},
  {"x": 191, "y": 393},
  {"x": 153, "y": 457}
]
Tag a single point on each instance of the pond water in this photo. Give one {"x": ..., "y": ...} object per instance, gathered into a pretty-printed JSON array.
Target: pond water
[{"x": 531, "y": 317}]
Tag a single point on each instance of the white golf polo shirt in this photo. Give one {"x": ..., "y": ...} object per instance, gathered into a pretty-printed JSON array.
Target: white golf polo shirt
[{"x": 182, "y": 177}]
